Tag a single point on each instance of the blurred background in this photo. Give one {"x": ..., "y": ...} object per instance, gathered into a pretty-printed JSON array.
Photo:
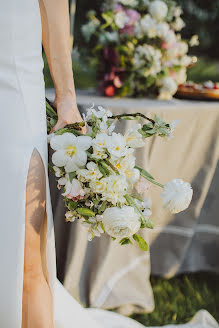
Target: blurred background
[{"x": 179, "y": 298}]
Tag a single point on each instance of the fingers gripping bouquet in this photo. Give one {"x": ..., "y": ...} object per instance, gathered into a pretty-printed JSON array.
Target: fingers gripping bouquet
[{"x": 100, "y": 179}]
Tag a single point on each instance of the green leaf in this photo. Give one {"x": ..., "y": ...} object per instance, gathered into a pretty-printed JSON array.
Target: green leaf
[
  {"x": 113, "y": 238},
  {"x": 72, "y": 205},
  {"x": 85, "y": 211},
  {"x": 72, "y": 175},
  {"x": 102, "y": 207},
  {"x": 143, "y": 172},
  {"x": 125, "y": 241},
  {"x": 51, "y": 168},
  {"x": 141, "y": 242}
]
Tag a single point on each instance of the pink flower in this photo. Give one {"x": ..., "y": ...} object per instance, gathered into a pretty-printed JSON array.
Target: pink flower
[
  {"x": 133, "y": 16},
  {"x": 142, "y": 185},
  {"x": 74, "y": 190}
]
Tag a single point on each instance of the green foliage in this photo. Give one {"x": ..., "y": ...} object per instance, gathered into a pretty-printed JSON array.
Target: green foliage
[
  {"x": 141, "y": 242},
  {"x": 178, "y": 299}
]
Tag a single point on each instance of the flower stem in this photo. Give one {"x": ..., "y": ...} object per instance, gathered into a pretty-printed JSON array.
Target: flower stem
[{"x": 133, "y": 115}]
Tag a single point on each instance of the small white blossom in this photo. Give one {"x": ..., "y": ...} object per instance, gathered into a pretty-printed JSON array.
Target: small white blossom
[
  {"x": 133, "y": 138},
  {"x": 178, "y": 24},
  {"x": 58, "y": 172},
  {"x": 69, "y": 216},
  {"x": 177, "y": 195},
  {"x": 194, "y": 41},
  {"x": 116, "y": 145},
  {"x": 121, "y": 19}
]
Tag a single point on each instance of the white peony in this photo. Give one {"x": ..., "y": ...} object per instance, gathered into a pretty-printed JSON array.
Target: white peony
[
  {"x": 121, "y": 222},
  {"x": 70, "y": 151},
  {"x": 158, "y": 10},
  {"x": 116, "y": 145},
  {"x": 133, "y": 138},
  {"x": 177, "y": 195},
  {"x": 121, "y": 19}
]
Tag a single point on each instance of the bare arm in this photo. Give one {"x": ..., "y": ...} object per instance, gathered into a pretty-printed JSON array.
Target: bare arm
[{"x": 56, "y": 43}]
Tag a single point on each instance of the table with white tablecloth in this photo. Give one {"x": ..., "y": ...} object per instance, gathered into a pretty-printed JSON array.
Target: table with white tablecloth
[{"x": 101, "y": 273}]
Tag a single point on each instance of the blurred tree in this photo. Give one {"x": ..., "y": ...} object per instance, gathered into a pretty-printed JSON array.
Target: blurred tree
[{"x": 202, "y": 18}]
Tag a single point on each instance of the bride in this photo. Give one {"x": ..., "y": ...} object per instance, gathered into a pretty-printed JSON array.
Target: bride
[{"x": 30, "y": 294}]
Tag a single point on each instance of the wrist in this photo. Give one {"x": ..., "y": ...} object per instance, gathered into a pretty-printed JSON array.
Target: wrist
[{"x": 65, "y": 95}]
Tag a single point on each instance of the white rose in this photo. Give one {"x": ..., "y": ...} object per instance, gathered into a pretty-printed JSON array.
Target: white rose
[
  {"x": 177, "y": 195},
  {"x": 121, "y": 222},
  {"x": 158, "y": 10}
]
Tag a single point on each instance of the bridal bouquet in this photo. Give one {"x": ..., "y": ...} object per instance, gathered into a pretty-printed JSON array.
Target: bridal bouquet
[
  {"x": 138, "y": 47},
  {"x": 100, "y": 179}
]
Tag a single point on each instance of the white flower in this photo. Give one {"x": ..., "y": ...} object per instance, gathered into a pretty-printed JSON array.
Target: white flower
[
  {"x": 94, "y": 227},
  {"x": 69, "y": 216},
  {"x": 170, "y": 37},
  {"x": 182, "y": 48},
  {"x": 172, "y": 125},
  {"x": 162, "y": 29},
  {"x": 147, "y": 25},
  {"x": 70, "y": 151},
  {"x": 168, "y": 89},
  {"x": 177, "y": 195},
  {"x": 147, "y": 207},
  {"x": 74, "y": 190},
  {"x": 178, "y": 24},
  {"x": 116, "y": 187},
  {"x": 121, "y": 19},
  {"x": 98, "y": 186},
  {"x": 181, "y": 76},
  {"x": 90, "y": 28},
  {"x": 58, "y": 172},
  {"x": 108, "y": 37},
  {"x": 145, "y": 55},
  {"x": 97, "y": 154},
  {"x": 131, "y": 3},
  {"x": 194, "y": 41},
  {"x": 116, "y": 145},
  {"x": 133, "y": 138},
  {"x": 91, "y": 173},
  {"x": 100, "y": 142},
  {"x": 177, "y": 11},
  {"x": 121, "y": 222},
  {"x": 126, "y": 166},
  {"x": 158, "y": 10},
  {"x": 186, "y": 61}
]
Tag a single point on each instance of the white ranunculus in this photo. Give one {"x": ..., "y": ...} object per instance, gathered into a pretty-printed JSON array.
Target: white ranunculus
[
  {"x": 70, "y": 151},
  {"x": 116, "y": 145},
  {"x": 158, "y": 10},
  {"x": 121, "y": 222},
  {"x": 177, "y": 195},
  {"x": 133, "y": 138},
  {"x": 121, "y": 19}
]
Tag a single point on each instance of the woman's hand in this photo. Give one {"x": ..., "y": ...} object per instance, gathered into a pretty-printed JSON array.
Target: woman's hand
[{"x": 68, "y": 113}]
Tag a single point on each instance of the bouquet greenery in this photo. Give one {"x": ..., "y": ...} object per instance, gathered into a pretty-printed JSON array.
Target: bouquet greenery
[{"x": 100, "y": 179}]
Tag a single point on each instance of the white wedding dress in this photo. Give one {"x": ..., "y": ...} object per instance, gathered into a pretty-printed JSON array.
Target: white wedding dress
[{"x": 23, "y": 128}]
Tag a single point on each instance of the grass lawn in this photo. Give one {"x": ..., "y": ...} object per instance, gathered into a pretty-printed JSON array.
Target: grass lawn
[{"x": 178, "y": 299}]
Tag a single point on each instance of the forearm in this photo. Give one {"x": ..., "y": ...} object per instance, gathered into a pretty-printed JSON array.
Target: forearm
[{"x": 56, "y": 43}]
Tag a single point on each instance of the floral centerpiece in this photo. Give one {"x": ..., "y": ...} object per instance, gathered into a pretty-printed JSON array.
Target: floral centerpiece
[
  {"x": 138, "y": 47},
  {"x": 100, "y": 181}
]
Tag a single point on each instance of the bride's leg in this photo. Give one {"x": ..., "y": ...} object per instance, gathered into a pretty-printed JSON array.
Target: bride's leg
[{"x": 37, "y": 298}]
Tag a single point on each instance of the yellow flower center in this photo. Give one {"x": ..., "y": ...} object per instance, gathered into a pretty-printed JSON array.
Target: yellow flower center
[
  {"x": 70, "y": 150},
  {"x": 117, "y": 148},
  {"x": 118, "y": 165}
]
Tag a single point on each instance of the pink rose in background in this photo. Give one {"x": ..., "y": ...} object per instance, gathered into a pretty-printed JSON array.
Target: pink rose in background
[
  {"x": 142, "y": 185},
  {"x": 74, "y": 190}
]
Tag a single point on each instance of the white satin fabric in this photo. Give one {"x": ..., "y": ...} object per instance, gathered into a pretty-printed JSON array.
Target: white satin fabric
[{"x": 23, "y": 128}]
